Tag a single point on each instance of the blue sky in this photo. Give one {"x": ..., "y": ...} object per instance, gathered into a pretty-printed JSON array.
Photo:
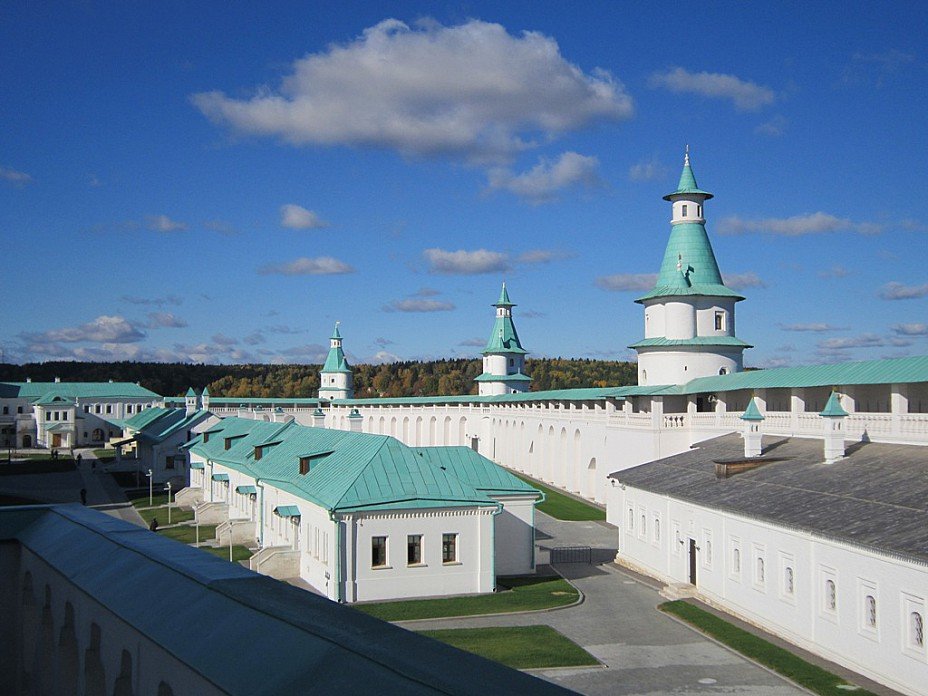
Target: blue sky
[{"x": 221, "y": 182}]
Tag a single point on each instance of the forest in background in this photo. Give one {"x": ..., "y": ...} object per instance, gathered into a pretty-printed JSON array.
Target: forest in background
[{"x": 437, "y": 377}]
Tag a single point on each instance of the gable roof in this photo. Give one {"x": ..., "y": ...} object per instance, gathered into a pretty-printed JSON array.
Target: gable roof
[{"x": 80, "y": 390}]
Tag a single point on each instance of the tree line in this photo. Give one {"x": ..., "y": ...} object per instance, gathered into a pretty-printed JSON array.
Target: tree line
[{"x": 410, "y": 378}]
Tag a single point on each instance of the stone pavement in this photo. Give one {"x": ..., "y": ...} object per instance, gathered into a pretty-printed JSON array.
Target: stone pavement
[{"x": 643, "y": 651}]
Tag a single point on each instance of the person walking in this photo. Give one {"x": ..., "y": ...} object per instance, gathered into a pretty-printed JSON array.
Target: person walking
[
  {"x": 83, "y": 496},
  {"x": 154, "y": 524}
]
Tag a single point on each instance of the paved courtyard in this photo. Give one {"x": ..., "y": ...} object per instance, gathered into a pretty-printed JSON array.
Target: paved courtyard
[{"x": 643, "y": 651}]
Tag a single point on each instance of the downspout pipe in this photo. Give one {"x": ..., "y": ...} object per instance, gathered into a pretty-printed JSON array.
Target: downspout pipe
[
  {"x": 499, "y": 509},
  {"x": 260, "y": 486},
  {"x": 531, "y": 550},
  {"x": 339, "y": 592}
]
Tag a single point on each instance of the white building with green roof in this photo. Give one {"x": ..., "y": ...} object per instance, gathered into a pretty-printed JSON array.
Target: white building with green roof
[{"x": 363, "y": 517}]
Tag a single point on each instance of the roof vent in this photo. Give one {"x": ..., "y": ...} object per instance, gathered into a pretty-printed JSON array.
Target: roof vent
[
  {"x": 28, "y": 380},
  {"x": 57, "y": 380}
]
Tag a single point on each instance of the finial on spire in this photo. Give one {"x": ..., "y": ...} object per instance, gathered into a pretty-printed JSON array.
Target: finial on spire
[{"x": 686, "y": 156}]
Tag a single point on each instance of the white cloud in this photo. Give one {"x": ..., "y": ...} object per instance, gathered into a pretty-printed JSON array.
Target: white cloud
[
  {"x": 542, "y": 256},
  {"x": 220, "y": 226},
  {"x": 817, "y": 327},
  {"x": 647, "y": 171},
  {"x": 383, "y": 356},
  {"x": 299, "y": 218},
  {"x": 322, "y": 265},
  {"x": 472, "y": 89},
  {"x": 15, "y": 177},
  {"x": 103, "y": 329},
  {"x": 745, "y": 95},
  {"x": 465, "y": 262},
  {"x": 426, "y": 292},
  {"x": 625, "y": 282},
  {"x": 254, "y": 338},
  {"x": 165, "y": 320},
  {"x": 862, "y": 341},
  {"x": 836, "y": 271},
  {"x": 774, "y": 127},
  {"x": 796, "y": 226},
  {"x": 899, "y": 291},
  {"x": 543, "y": 181},
  {"x": 162, "y": 223},
  {"x": 221, "y": 339},
  {"x": 154, "y": 301},
  {"x": 419, "y": 305},
  {"x": 741, "y": 281},
  {"x": 473, "y": 342},
  {"x": 914, "y": 329}
]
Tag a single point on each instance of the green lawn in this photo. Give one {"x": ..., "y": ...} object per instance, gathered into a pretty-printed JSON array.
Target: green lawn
[
  {"x": 239, "y": 553},
  {"x": 778, "y": 659},
  {"x": 516, "y": 594},
  {"x": 187, "y": 533},
  {"x": 104, "y": 454},
  {"x": 177, "y": 514},
  {"x": 142, "y": 500},
  {"x": 564, "y": 507},
  {"x": 520, "y": 647}
]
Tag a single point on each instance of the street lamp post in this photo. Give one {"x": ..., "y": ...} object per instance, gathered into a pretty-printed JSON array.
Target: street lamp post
[
  {"x": 230, "y": 539},
  {"x": 150, "y": 488},
  {"x": 168, "y": 489},
  {"x": 196, "y": 517}
]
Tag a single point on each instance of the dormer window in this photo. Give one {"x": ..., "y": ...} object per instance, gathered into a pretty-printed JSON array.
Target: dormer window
[
  {"x": 228, "y": 443},
  {"x": 259, "y": 452},
  {"x": 205, "y": 438},
  {"x": 304, "y": 466}
]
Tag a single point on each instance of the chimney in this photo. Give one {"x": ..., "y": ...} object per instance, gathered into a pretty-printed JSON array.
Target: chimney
[
  {"x": 318, "y": 418},
  {"x": 752, "y": 418},
  {"x": 355, "y": 420},
  {"x": 28, "y": 380},
  {"x": 833, "y": 417},
  {"x": 57, "y": 380}
]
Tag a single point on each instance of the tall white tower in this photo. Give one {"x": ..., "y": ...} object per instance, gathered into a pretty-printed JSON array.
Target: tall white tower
[
  {"x": 335, "y": 378},
  {"x": 689, "y": 316},
  {"x": 504, "y": 357}
]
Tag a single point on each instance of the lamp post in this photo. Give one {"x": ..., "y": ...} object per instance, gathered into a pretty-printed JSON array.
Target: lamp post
[
  {"x": 168, "y": 489},
  {"x": 230, "y": 539},
  {"x": 196, "y": 518},
  {"x": 150, "y": 489}
]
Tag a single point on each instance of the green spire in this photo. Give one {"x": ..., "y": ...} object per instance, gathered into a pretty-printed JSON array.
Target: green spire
[
  {"x": 833, "y": 407},
  {"x": 205, "y": 391},
  {"x": 503, "y": 300},
  {"x": 335, "y": 361},
  {"x": 335, "y": 333},
  {"x": 687, "y": 180},
  {"x": 190, "y": 392},
  {"x": 752, "y": 413}
]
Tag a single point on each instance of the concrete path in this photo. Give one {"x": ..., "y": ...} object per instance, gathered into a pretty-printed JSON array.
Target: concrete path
[
  {"x": 103, "y": 493},
  {"x": 643, "y": 650}
]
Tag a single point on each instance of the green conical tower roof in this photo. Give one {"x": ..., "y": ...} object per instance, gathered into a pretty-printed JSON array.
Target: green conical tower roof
[
  {"x": 503, "y": 300},
  {"x": 335, "y": 332},
  {"x": 335, "y": 361},
  {"x": 687, "y": 181},
  {"x": 190, "y": 392},
  {"x": 833, "y": 408},
  {"x": 689, "y": 266},
  {"x": 752, "y": 413}
]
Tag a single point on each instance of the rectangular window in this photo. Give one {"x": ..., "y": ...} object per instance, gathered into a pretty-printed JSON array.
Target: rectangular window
[
  {"x": 379, "y": 552},
  {"x": 449, "y": 548},
  {"x": 109, "y": 408},
  {"x": 304, "y": 466},
  {"x": 414, "y": 549},
  {"x": 169, "y": 462},
  {"x": 96, "y": 408},
  {"x": 684, "y": 211},
  {"x": 719, "y": 321}
]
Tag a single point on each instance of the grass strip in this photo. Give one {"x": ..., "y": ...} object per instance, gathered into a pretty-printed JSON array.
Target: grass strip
[
  {"x": 520, "y": 647},
  {"x": 780, "y": 660},
  {"x": 515, "y": 594},
  {"x": 188, "y": 533},
  {"x": 141, "y": 501},
  {"x": 161, "y": 513},
  {"x": 239, "y": 553},
  {"x": 564, "y": 507}
]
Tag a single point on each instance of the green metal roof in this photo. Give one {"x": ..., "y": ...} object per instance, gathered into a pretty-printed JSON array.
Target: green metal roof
[
  {"x": 504, "y": 300},
  {"x": 81, "y": 390},
  {"x": 833, "y": 408},
  {"x": 503, "y": 338},
  {"x": 196, "y": 465},
  {"x": 246, "y": 490},
  {"x": 890, "y": 371},
  {"x": 514, "y": 377},
  {"x": 59, "y": 427},
  {"x": 54, "y": 398},
  {"x": 145, "y": 417},
  {"x": 687, "y": 182},
  {"x": 220, "y": 477},
  {"x": 695, "y": 341},
  {"x": 237, "y": 401},
  {"x": 190, "y": 392},
  {"x": 752, "y": 413},
  {"x": 476, "y": 470},
  {"x": 348, "y": 471},
  {"x": 205, "y": 391},
  {"x": 154, "y": 425},
  {"x": 287, "y": 511},
  {"x": 335, "y": 361},
  {"x": 335, "y": 332},
  {"x": 689, "y": 266}
]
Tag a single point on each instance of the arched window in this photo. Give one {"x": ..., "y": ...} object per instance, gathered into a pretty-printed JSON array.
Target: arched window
[
  {"x": 917, "y": 629},
  {"x": 708, "y": 551},
  {"x": 631, "y": 519},
  {"x": 736, "y": 560},
  {"x": 723, "y": 370},
  {"x": 760, "y": 570},
  {"x": 789, "y": 584},
  {"x": 831, "y": 595},
  {"x": 870, "y": 608},
  {"x": 657, "y": 529},
  {"x": 644, "y": 524}
]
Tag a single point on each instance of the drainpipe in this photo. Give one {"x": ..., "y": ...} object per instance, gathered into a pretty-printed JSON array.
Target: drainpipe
[
  {"x": 499, "y": 509},
  {"x": 260, "y": 513},
  {"x": 531, "y": 542},
  {"x": 339, "y": 594}
]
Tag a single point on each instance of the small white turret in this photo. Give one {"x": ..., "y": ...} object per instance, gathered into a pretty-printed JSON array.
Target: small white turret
[
  {"x": 833, "y": 416},
  {"x": 190, "y": 402},
  {"x": 752, "y": 418},
  {"x": 335, "y": 379}
]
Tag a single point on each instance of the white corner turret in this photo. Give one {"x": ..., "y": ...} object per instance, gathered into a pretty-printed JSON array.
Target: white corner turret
[{"x": 335, "y": 379}]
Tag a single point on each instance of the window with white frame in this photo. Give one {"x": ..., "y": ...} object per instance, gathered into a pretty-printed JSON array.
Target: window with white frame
[
  {"x": 449, "y": 548},
  {"x": 706, "y": 548},
  {"x": 916, "y": 630},
  {"x": 789, "y": 581},
  {"x": 870, "y": 611},
  {"x": 657, "y": 529},
  {"x": 760, "y": 568},
  {"x": 630, "y": 516},
  {"x": 830, "y": 595},
  {"x": 414, "y": 549},
  {"x": 867, "y": 607},
  {"x": 643, "y": 529},
  {"x": 736, "y": 561},
  {"x": 379, "y": 552}
]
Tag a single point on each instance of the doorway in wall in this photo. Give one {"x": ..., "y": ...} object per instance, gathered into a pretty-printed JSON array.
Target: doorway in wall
[
  {"x": 693, "y": 562},
  {"x": 56, "y": 440},
  {"x": 475, "y": 444}
]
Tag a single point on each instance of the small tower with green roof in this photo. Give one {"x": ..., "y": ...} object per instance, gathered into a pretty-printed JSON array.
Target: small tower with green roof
[
  {"x": 689, "y": 315},
  {"x": 504, "y": 356},
  {"x": 190, "y": 402},
  {"x": 335, "y": 379}
]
